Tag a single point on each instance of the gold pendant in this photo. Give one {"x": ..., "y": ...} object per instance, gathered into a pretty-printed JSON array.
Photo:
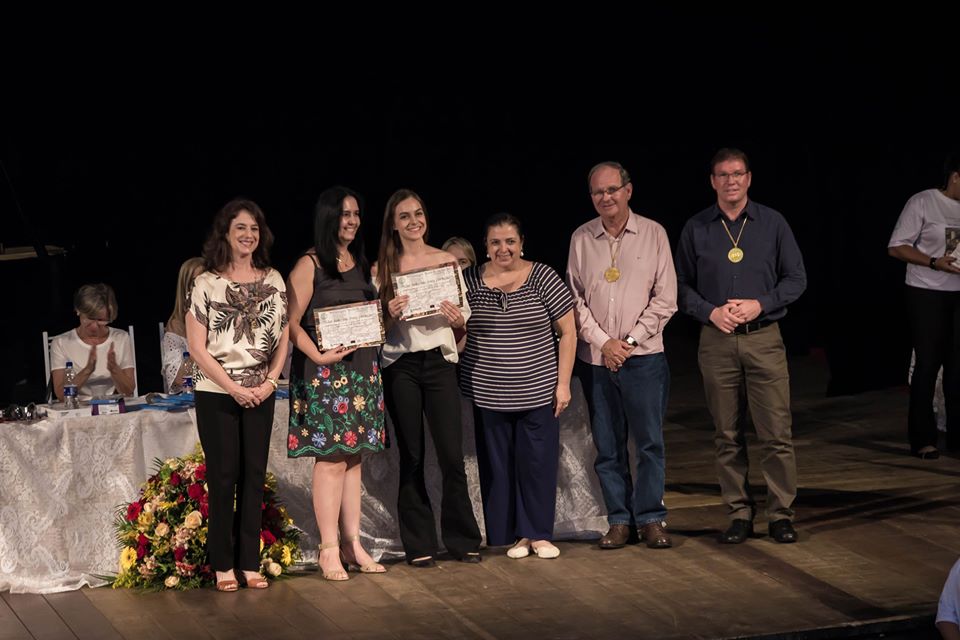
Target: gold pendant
[
  {"x": 735, "y": 255},
  {"x": 612, "y": 274}
]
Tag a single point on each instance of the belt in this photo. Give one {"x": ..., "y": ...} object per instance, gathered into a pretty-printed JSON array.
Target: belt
[{"x": 750, "y": 327}]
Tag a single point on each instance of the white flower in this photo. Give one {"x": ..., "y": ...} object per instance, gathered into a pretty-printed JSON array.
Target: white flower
[
  {"x": 162, "y": 530},
  {"x": 171, "y": 582},
  {"x": 274, "y": 569},
  {"x": 193, "y": 520},
  {"x": 148, "y": 507}
]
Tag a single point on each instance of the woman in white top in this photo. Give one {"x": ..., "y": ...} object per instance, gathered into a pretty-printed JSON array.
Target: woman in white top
[
  {"x": 102, "y": 356},
  {"x": 419, "y": 378},
  {"x": 237, "y": 334},
  {"x": 174, "y": 342},
  {"x": 926, "y": 234}
]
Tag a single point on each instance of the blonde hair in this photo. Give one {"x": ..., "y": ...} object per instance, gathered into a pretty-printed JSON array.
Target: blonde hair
[
  {"x": 188, "y": 271},
  {"x": 464, "y": 245},
  {"x": 92, "y": 298}
]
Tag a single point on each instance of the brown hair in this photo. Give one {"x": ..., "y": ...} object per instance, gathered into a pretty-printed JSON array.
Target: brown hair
[
  {"x": 216, "y": 251},
  {"x": 388, "y": 261}
]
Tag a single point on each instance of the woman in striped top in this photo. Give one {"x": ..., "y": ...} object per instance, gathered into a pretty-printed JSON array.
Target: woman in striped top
[{"x": 519, "y": 379}]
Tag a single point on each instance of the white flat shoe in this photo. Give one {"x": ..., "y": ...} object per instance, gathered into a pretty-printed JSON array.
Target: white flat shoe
[
  {"x": 546, "y": 551},
  {"x": 520, "y": 550}
]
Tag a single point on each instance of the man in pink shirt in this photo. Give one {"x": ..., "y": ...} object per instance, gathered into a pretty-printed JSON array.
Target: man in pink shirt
[{"x": 621, "y": 273}]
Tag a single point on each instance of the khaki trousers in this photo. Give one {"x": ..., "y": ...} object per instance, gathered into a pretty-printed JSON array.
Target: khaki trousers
[{"x": 755, "y": 363}]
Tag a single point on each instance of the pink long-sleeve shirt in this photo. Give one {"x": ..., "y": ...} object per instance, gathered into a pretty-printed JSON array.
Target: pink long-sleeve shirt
[{"x": 639, "y": 304}]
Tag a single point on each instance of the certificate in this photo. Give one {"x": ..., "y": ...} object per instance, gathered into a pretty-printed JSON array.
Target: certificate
[
  {"x": 427, "y": 288},
  {"x": 359, "y": 324}
]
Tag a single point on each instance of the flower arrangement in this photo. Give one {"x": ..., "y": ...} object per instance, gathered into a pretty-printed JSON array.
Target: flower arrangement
[{"x": 163, "y": 533}]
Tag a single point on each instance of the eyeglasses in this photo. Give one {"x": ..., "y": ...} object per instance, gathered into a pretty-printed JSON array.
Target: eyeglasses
[
  {"x": 736, "y": 176},
  {"x": 609, "y": 191}
]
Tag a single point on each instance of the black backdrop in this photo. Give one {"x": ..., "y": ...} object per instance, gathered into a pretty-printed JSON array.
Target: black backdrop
[{"x": 842, "y": 123}]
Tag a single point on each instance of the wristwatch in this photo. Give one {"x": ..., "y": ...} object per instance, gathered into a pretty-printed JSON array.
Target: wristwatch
[
  {"x": 630, "y": 340},
  {"x": 933, "y": 264}
]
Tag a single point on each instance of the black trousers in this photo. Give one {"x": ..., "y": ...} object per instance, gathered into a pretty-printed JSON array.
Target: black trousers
[
  {"x": 424, "y": 384},
  {"x": 236, "y": 442},
  {"x": 935, "y": 331}
]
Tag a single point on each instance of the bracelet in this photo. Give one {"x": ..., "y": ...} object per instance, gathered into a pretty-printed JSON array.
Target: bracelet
[
  {"x": 274, "y": 383},
  {"x": 933, "y": 264}
]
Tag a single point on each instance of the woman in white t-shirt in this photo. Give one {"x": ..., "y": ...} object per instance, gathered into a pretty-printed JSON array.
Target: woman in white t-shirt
[
  {"x": 174, "y": 342},
  {"x": 925, "y": 238},
  {"x": 102, "y": 356}
]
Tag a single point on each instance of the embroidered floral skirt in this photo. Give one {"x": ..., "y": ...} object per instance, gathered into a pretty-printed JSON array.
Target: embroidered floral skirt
[{"x": 336, "y": 409}]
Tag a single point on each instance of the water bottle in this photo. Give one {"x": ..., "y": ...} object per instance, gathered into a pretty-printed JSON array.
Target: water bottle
[
  {"x": 70, "y": 387},
  {"x": 187, "y": 385}
]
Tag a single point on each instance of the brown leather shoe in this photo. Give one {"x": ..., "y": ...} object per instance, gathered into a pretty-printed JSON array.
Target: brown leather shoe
[
  {"x": 616, "y": 537},
  {"x": 655, "y": 536}
]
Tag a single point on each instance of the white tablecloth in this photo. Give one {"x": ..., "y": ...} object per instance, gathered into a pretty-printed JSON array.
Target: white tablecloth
[{"x": 62, "y": 480}]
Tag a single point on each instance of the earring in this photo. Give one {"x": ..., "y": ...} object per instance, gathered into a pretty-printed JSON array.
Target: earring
[
  {"x": 488, "y": 256},
  {"x": 521, "y": 253}
]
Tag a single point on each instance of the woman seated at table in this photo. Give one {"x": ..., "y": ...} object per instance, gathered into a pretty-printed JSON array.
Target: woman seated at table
[
  {"x": 174, "y": 342},
  {"x": 102, "y": 356},
  {"x": 462, "y": 250},
  {"x": 519, "y": 378}
]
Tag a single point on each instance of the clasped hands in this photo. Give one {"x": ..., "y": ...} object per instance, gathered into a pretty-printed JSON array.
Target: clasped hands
[{"x": 735, "y": 312}]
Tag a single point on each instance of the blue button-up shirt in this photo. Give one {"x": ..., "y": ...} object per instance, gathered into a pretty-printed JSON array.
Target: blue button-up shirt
[{"x": 771, "y": 271}]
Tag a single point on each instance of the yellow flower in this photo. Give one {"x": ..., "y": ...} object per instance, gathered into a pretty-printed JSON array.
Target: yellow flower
[
  {"x": 337, "y": 384},
  {"x": 343, "y": 379},
  {"x": 261, "y": 545},
  {"x": 171, "y": 582},
  {"x": 162, "y": 530},
  {"x": 336, "y": 437},
  {"x": 285, "y": 557},
  {"x": 304, "y": 433},
  {"x": 359, "y": 402},
  {"x": 128, "y": 558},
  {"x": 315, "y": 383},
  {"x": 361, "y": 429},
  {"x": 372, "y": 378},
  {"x": 144, "y": 520},
  {"x": 296, "y": 406}
]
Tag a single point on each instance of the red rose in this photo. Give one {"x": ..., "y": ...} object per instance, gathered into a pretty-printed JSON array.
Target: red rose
[
  {"x": 175, "y": 479},
  {"x": 200, "y": 473},
  {"x": 267, "y": 537},
  {"x": 141, "y": 552},
  {"x": 350, "y": 438},
  {"x": 270, "y": 514},
  {"x": 142, "y": 540},
  {"x": 179, "y": 553},
  {"x": 195, "y": 490},
  {"x": 342, "y": 407},
  {"x": 204, "y": 508},
  {"x": 133, "y": 511},
  {"x": 325, "y": 373},
  {"x": 180, "y": 498}
]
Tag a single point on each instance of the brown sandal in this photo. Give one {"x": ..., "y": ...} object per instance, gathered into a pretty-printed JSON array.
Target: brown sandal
[
  {"x": 373, "y": 567},
  {"x": 227, "y": 586}
]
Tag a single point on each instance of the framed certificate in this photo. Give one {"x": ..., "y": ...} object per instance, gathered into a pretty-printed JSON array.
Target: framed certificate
[
  {"x": 427, "y": 288},
  {"x": 359, "y": 324}
]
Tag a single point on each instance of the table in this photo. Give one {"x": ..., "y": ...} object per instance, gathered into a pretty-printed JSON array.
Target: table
[{"x": 61, "y": 482}]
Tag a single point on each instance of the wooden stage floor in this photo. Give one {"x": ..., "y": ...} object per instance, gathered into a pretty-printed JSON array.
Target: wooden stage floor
[{"x": 878, "y": 534}]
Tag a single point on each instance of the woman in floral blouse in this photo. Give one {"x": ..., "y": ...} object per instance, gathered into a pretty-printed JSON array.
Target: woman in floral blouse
[
  {"x": 336, "y": 399},
  {"x": 237, "y": 333}
]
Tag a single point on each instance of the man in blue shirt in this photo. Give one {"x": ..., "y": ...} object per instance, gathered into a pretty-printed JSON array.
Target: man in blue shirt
[{"x": 738, "y": 267}]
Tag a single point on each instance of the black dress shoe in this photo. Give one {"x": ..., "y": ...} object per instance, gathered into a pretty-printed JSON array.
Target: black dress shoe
[
  {"x": 738, "y": 531},
  {"x": 783, "y": 531},
  {"x": 471, "y": 557},
  {"x": 422, "y": 563}
]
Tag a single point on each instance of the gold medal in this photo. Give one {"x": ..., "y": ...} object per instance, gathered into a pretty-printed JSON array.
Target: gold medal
[
  {"x": 735, "y": 255},
  {"x": 612, "y": 274}
]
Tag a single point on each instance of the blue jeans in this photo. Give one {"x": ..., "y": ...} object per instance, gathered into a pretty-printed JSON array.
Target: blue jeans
[{"x": 629, "y": 402}]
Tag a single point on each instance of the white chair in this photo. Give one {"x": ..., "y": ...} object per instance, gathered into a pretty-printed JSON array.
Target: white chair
[{"x": 48, "y": 340}]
